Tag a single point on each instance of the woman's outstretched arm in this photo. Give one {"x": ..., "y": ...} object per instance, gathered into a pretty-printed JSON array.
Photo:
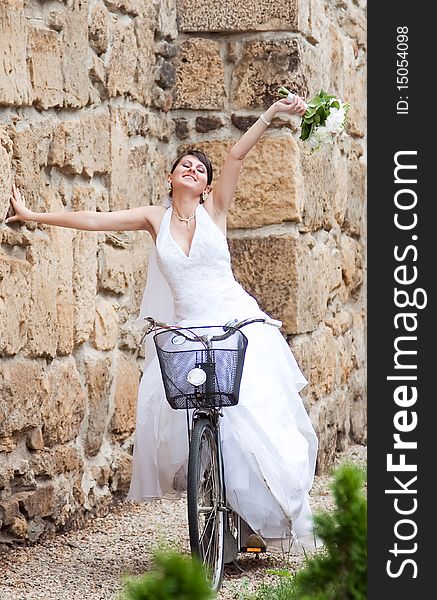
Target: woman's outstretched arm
[
  {"x": 224, "y": 189},
  {"x": 133, "y": 219}
]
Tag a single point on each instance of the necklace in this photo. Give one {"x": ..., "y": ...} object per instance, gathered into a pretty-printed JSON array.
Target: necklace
[{"x": 187, "y": 219}]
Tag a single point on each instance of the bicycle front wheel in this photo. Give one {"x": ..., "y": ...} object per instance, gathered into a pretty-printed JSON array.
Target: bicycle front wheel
[{"x": 206, "y": 520}]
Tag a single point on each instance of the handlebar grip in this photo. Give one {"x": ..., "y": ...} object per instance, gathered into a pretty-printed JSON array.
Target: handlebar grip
[{"x": 273, "y": 322}]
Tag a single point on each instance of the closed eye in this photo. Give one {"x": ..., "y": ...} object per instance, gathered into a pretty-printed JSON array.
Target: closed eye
[{"x": 199, "y": 168}]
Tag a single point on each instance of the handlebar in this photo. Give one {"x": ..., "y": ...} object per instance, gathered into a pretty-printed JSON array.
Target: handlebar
[{"x": 228, "y": 327}]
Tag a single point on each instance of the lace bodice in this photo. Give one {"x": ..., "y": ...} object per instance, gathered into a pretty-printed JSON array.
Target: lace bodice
[{"x": 202, "y": 283}]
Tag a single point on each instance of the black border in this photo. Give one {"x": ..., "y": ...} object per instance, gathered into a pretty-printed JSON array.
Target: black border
[{"x": 388, "y": 133}]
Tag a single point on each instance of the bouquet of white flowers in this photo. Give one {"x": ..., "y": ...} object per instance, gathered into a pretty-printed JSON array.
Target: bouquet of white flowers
[{"x": 325, "y": 117}]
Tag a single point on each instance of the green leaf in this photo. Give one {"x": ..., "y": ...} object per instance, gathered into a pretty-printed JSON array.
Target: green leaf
[
  {"x": 282, "y": 91},
  {"x": 306, "y": 131}
]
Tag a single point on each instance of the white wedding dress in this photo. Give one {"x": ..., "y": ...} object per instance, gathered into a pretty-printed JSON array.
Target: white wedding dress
[{"x": 269, "y": 444}]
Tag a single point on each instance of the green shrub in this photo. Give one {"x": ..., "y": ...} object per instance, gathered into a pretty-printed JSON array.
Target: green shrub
[
  {"x": 173, "y": 577},
  {"x": 339, "y": 571}
]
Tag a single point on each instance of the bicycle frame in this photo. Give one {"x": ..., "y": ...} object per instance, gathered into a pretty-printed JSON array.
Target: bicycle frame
[{"x": 204, "y": 424}]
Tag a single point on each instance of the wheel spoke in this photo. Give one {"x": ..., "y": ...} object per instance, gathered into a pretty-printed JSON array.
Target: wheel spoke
[{"x": 206, "y": 519}]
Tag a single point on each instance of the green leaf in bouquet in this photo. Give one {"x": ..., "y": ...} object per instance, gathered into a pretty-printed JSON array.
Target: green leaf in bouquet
[
  {"x": 325, "y": 97},
  {"x": 309, "y": 113},
  {"x": 283, "y": 91},
  {"x": 315, "y": 101},
  {"x": 322, "y": 115},
  {"x": 306, "y": 130},
  {"x": 335, "y": 104}
]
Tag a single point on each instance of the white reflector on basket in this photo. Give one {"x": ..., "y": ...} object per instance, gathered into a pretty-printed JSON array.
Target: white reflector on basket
[{"x": 196, "y": 376}]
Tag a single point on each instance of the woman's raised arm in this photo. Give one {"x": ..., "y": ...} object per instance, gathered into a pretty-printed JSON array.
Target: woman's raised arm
[
  {"x": 133, "y": 219},
  {"x": 224, "y": 189}
]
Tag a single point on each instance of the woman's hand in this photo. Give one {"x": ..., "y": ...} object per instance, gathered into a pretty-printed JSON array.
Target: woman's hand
[
  {"x": 19, "y": 205},
  {"x": 296, "y": 107}
]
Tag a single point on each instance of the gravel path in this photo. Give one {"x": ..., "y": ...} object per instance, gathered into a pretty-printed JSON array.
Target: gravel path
[{"x": 89, "y": 564}]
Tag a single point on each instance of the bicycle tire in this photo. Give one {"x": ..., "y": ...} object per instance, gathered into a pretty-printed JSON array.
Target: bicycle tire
[{"x": 206, "y": 519}]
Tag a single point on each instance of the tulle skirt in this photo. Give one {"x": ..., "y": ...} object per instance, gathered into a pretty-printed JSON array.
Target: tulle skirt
[{"x": 268, "y": 442}]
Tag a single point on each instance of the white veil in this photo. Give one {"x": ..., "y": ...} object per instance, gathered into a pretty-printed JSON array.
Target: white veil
[{"x": 157, "y": 299}]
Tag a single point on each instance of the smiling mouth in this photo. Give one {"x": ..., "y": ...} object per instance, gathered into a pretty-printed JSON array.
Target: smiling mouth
[{"x": 190, "y": 176}]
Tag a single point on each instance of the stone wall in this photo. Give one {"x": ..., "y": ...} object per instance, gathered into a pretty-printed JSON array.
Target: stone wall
[{"x": 96, "y": 98}]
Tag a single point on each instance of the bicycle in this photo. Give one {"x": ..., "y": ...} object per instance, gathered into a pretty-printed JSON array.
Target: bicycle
[{"x": 201, "y": 369}]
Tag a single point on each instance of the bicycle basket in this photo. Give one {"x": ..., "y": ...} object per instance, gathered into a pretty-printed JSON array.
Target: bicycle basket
[{"x": 222, "y": 365}]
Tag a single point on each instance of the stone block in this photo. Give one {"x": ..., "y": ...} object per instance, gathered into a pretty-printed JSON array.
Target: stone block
[
  {"x": 324, "y": 204},
  {"x": 166, "y": 20},
  {"x": 45, "y": 67},
  {"x": 145, "y": 55},
  {"x": 355, "y": 90},
  {"x": 34, "y": 439},
  {"x": 123, "y": 61},
  {"x": 82, "y": 147},
  {"x": 263, "y": 67},
  {"x": 358, "y": 410},
  {"x": 18, "y": 527},
  {"x": 129, "y": 7},
  {"x": 346, "y": 356},
  {"x": 200, "y": 77},
  {"x": 289, "y": 278},
  {"x": 15, "y": 294},
  {"x": 42, "y": 320},
  {"x": 234, "y": 16},
  {"x": 38, "y": 502},
  {"x": 140, "y": 248},
  {"x": 64, "y": 405},
  {"x": 42, "y": 463},
  {"x": 122, "y": 470},
  {"x": 22, "y": 392},
  {"x": 14, "y": 77},
  {"x": 98, "y": 379},
  {"x": 84, "y": 283},
  {"x": 136, "y": 121},
  {"x": 36, "y": 527},
  {"x": 138, "y": 174},
  {"x": 7, "y": 444},
  {"x": 312, "y": 21},
  {"x": 339, "y": 322},
  {"x": 352, "y": 262},
  {"x": 354, "y": 220},
  {"x": 316, "y": 356},
  {"x": 127, "y": 379},
  {"x": 115, "y": 269},
  {"x": 75, "y": 52},
  {"x": 205, "y": 124},
  {"x": 5, "y": 171},
  {"x": 166, "y": 74},
  {"x": 105, "y": 331},
  {"x": 62, "y": 246},
  {"x": 9, "y": 510},
  {"x": 343, "y": 420},
  {"x": 101, "y": 474},
  {"x": 324, "y": 417},
  {"x": 268, "y": 191},
  {"x": 6, "y": 472},
  {"x": 66, "y": 459},
  {"x": 31, "y": 146},
  {"x": 98, "y": 28}
]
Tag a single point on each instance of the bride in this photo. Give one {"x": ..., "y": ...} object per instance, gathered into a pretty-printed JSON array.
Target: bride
[{"x": 267, "y": 437}]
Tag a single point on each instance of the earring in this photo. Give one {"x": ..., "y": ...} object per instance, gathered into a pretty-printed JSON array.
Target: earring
[
  {"x": 170, "y": 189},
  {"x": 203, "y": 197}
]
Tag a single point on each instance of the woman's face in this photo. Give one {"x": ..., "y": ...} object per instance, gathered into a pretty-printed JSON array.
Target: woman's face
[{"x": 190, "y": 173}]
